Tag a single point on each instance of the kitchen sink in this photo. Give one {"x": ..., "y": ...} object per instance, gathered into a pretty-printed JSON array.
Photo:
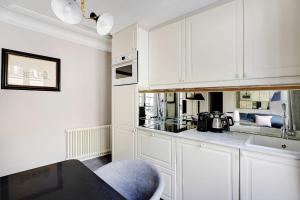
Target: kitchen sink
[{"x": 274, "y": 143}]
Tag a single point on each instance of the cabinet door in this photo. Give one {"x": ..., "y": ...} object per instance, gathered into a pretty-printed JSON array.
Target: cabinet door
[
  {"x": 156, "y": 148},
  {"x": 124, "y": 42},
  {"x": 207, "y": 171},
  {"x": 122, "y": 143},
  {"x": 160, "y": 150},
  {"x": 268, "y": 177},
  {"x": 170, "y": 183},
  {"x": 166, "y": 54},
  {"x": 124, "y": 100},
  {"x": 272, "y": 38},
  {"x": 124, "y": 105},
  {"x": 215, "y": 43}
]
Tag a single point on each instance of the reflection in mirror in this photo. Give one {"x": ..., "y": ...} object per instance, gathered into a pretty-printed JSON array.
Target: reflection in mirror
[
  {"x": 259, "y": 100},
  {"x": 257, "y": 112},
  {"x": 261, "y": 112}
]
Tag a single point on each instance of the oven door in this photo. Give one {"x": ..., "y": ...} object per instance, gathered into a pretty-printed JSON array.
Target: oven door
[{"x": 125, "y": 74}]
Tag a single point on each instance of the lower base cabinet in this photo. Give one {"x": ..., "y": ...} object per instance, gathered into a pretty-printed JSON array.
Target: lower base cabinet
[
  {"x": 170, "y": 183},
  {"x": 159, "y": 149},
  {"x": 206, "y": 171},
  {"x": 266, "y": 177},
  {"x": 194, "y": 170},
  {"x": 156, "y": 148}
]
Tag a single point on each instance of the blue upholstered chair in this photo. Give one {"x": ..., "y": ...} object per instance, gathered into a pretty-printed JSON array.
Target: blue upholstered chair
[{"x": 134, "y": 179}]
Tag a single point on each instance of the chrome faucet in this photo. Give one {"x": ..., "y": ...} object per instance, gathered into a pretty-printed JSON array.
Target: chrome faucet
[{"x": 285, "y": 131}]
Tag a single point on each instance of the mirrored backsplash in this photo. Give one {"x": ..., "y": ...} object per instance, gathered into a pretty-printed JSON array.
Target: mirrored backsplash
[{"x": 256, "y": 112}]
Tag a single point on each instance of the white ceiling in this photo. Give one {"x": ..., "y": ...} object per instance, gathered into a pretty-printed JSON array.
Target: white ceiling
[{"x": 147, "y": 13}]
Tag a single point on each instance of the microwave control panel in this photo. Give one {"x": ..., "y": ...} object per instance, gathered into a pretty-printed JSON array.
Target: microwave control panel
[{"x": 125, "y": 58}]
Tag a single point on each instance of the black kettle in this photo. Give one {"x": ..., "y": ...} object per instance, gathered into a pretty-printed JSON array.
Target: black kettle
[{"x": 227, "y": 122}]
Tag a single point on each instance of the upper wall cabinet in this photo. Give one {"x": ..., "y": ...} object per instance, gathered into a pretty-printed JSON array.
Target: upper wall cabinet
[
  {"x": 166, "y": 54},
  {"x": 128, "y": 40},
  {"x": 272, "y": 38},
  {"x": 124, "y": 41},
  {"x": 215, "y": 44}
]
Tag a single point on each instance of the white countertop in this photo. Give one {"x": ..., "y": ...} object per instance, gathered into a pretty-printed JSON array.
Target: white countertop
[{"x": 229, "y": 139}]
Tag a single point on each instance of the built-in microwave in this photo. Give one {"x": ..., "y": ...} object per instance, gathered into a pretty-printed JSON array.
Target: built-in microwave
[{"x": 125, "y": 70}]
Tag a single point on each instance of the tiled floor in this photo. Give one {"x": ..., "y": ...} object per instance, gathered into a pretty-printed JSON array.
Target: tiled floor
[{"x": 95, "y": 163}]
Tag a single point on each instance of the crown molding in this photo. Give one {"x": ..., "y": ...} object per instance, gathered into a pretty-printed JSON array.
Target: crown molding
[{"x": 22, "y": 17}]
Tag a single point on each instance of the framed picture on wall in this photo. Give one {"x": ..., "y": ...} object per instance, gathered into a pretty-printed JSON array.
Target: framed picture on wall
[{"x": 25, "y": 71}]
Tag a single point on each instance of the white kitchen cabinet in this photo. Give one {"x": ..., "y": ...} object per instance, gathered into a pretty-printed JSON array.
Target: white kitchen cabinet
[
  {"x": 215, "y": 43},
  {"x": 206, "y": 171},
  {"x": 272, "y": 38},
  {"x": 169, "y": 177},
  {"x": 269, "y": 177},
  {"x": 124, "y": 121},
  {"x": 238, "y": 42},
  {"x": 123, "y": 143},
  {"x": 166, "y": 54},
  {"x": 157, "y": 148},
  {"x": 124, "y": 41}
]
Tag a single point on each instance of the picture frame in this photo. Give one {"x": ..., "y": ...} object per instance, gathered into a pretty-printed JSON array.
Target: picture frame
[{"x": 26, "y": 71}]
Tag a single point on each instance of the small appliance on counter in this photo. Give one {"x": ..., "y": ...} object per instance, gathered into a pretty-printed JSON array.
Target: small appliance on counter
[
  {"x": 236, "y": 116},
  {"x": 204, "y": 122},
  {"x": 214, "y": 122}
]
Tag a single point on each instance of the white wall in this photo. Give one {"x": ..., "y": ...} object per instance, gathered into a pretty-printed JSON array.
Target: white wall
[
  {"x": 32, "y": 123},
  {"x": 229, "y": 101}
]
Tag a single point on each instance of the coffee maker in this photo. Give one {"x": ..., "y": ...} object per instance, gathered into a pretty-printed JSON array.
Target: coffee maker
[
  {"x": 204, "y": 122},
  {"x": 214, "y": 122}
]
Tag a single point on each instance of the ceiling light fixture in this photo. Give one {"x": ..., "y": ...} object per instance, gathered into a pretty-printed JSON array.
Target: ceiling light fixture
[{"x": 69, "y": 11}]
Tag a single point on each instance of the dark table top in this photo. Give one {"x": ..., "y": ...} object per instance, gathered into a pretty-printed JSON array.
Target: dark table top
[{"x": 68, "y": 180}]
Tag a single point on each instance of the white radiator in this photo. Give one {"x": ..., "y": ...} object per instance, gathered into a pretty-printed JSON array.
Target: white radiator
[{"x": 86, "y": 143}]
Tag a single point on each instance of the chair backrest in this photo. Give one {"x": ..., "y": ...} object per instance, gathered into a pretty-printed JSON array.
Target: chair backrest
[{"x": 134, "y": 179}]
